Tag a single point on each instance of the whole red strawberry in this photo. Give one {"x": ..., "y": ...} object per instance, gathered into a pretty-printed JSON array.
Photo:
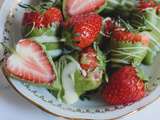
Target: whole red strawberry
[
  {"x": 127, "y": 47},
  {"x": 88, "y": 59},
  {"x": 38, "y": 20},
  {"x": 44, "y": 19},
  {"x": 125, "y": 36},
  {"x": 52, "y": 15},
  {"x": 33, "y": 19},
  {"x": 85, "y": 29},
  {"x": 124, "y": 87},
  {"x": 144, "y": 4}
]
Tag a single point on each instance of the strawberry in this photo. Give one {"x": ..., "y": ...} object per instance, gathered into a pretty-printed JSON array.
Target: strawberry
[
  {"x": 124, "y": 87},
  {"x": 127, "y": 47},
  {"x": 30, "y": 63},
  {"x": 109, "y": 25},
  {"x": 158, "y": 9},
  {"x": 147, "y": 16},
  {"x": 41, "y": 21},
  {"x": 144, "y": 4},
  {"x": 85, "y": 29},
  {"x": 75, "y": 7},
  {"x": 88, "y": 59},
  {"x": 126, "y": 36},
  {"x": 33, "y": 18},
  {"x": 52, "y": 15}
]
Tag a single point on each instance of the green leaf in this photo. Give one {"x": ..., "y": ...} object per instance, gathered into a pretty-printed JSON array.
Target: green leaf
[
  {"x": 100, "y": 56},
  {"x": 34, "y": 32},
  {"x": 123, "y": 53},
  {"x": 115, "y": 8},
  {"x": 141, "y": 74},
  {"x": 64, "y": 86},
  {"x": 27, "y": 6},
  {"x": 152, "y": 22},
  {"x": 88, "y": 83}
]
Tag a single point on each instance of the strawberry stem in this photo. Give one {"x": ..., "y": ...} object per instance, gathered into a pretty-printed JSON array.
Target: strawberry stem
[
  {"x": 27, "y": 34},
  {"x": 40, "y": 8},
  {"x": 26, "y": 6}
]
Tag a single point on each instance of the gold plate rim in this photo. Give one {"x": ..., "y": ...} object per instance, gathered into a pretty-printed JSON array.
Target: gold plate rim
[
  {"x": 64, "y": 117},
  {"x": 60, "y": 116}
]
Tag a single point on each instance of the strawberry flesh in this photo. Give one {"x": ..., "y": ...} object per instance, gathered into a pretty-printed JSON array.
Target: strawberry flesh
[
  {"x": 30, "y": 63},
  {"x": 75, "y": 7},
  {"x": 88, "y": 59},
  {"x": 124, "y": 87}
]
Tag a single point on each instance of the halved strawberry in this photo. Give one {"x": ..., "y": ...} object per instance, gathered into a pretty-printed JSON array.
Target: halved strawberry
[
  {"x": 75, "y": 7},
  {"x": 30, "y": 63}
]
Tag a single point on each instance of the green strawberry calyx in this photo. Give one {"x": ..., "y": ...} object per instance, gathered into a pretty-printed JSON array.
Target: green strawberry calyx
[{"x": 127, "y": 52}]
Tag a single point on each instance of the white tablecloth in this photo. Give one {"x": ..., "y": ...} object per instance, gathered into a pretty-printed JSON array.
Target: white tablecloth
[{"x": 14, "y": 107}]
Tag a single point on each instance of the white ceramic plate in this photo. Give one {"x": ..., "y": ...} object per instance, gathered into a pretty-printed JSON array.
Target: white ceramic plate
[{"x": 95, "y": 108}]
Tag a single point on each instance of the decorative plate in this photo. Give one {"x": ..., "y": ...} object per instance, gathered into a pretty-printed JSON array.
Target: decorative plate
[{"x": 10, "y": 31}]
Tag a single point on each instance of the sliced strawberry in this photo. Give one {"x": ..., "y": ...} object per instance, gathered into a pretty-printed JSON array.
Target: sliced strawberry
[
  {"x": 30, "y": 63},
  {"x": 74, "y": 7}
]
